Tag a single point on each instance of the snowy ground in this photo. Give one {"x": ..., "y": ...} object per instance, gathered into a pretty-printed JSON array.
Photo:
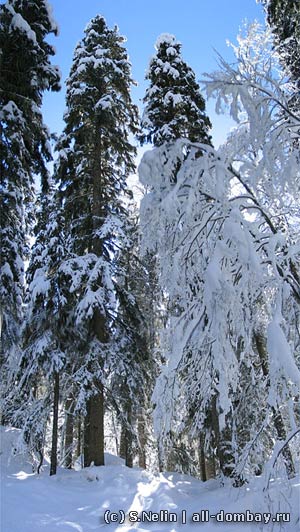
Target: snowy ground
[{"x": 81, "y": 500}]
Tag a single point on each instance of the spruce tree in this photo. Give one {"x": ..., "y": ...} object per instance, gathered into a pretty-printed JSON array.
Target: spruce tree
[
  {"x": 95, "y": 158},
  {"x": 174, "y": 106},
  {"x": 43, "y": 346},
  {"x": 26, "y": 72},
  {"x": 29, "y": 398},
  {"x": 133, "y": 365},
  {"x": 284, "y": 18},
  {"x": 174, "y": 116}
]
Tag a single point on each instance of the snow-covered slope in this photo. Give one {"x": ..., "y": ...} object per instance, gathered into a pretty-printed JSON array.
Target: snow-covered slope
[{"x": 80, "y": 500}]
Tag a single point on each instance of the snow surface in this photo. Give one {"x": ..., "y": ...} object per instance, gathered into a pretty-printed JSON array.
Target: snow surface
[{"x": 78, "y": 500}]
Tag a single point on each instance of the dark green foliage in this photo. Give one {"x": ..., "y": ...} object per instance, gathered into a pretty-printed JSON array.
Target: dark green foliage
[
  {"x": 99, "y": 117},
  {"x": 174, "y": 106},
  {"x": 29, "y": 397},
  {"x": 25, "y": 73},
  {"x": 284, "y": 18},
  {"x": 46, "y": 322},
  {"x": 95, "y": 158},
  {"x": 134, "y": 366}
]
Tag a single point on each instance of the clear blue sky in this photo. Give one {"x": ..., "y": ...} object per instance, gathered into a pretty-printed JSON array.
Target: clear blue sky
[{"x": 200, "y": 25}]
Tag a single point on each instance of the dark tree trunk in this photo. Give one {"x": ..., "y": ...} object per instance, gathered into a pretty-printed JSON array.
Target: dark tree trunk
[
  {"x": 226, "y": 457},
  {"x": 210, "y": 466},
  {"x": 142, "y": 438},
  {"x": 160, "y": 456},
  {"x": 53, "y": 462},
  {"x": 94, "y": 429},
  {"x": 126, "y": 439},
  {"x": 202, "y": 458},
  {"x": 93, "y": 441},
  {"x": 116, "y": 436},
  {"x": 69, "y": 434},
  {"x": 94, "y": 419}
]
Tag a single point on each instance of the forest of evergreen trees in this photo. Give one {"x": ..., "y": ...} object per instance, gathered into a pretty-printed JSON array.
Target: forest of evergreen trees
[{"x": 173, "y": 328}]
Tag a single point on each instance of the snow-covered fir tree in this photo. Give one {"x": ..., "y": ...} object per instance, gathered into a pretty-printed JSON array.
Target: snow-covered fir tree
[
  {"x": 134, "y": 364},
  {"x": 139, "y": 297},
  {"x": 174, "y": 106},
  {"x": 43, "y": 355},
  {"x": 95, "y": 158},
  {"x": 26, "y": 72},
  {"x": 283, "y": 17},
  {"x": 174, "y": 112}
]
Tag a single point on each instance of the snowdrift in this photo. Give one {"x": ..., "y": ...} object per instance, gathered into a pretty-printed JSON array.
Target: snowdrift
[{"x": 114, "y": 498}]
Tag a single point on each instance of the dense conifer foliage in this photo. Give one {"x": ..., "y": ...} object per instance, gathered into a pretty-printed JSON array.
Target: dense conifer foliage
[
  {"x": 26, "y": 72},
  {"x": 174, "y": 106},
  {"x": 95, "y": 158},
  {"x": 284, "y": 18}
]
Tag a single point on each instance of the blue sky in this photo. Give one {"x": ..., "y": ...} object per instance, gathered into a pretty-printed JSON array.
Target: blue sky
[{"x": 200, "y": 25}]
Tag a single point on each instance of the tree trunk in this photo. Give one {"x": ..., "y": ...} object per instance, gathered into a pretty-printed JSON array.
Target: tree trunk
[
  {"x": 126, "y": 438},
  {"x": 160, "y": 456},
  {"x": 116, "y": 437},
  {"x": 202, "y": 458},
  {"x": 207, "y": 461},
  {"x": 277, "y": 417},
  {"x": 286, "y": 452},
  {"x": 94, "y": 419},
  {"x": 93, "y": 440},
  {"x": 53, "y": 462},
  {"x": 79, "y": 441},
  {"x": 223, "y": 442},
  {"x": 69, "y": 433},
  {"x": 94, "y": 429},
  {"x": 210, "y": 466},
  {"x": 225, "y": 453},
  {"x": 142, "y": 436}
]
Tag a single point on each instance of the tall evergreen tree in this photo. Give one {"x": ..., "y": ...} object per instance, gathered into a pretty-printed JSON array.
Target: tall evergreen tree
[
  {"x": 134, "y": 364},
  {"x": 43, "y": 347},
  {"x": 95, "y": 158},
  {"x": 284, "y": 18},
  {"x": 174, "y": 106},
  {"x": 26, "y": 72},
  {"x": 174, "y": 116}
]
